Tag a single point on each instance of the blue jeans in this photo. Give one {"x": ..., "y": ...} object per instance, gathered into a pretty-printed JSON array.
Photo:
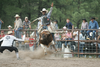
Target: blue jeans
[
  {"x": 81, "y": 49},
  {"x": 45, "y": 27},
  {"x": 66, "y": 42},
  {"x": 53, "y": 36},
  {"x": 83, "y": 32},
  {"x": 93, "y": 33},
  {"x": 18, "y": 34},
  {"x": 58, "y": 44}
]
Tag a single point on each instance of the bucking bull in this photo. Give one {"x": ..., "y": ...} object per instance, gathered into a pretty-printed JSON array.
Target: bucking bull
[{"x": 46, "y": 39}]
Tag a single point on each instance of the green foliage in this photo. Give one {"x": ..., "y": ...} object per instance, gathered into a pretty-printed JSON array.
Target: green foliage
[{"x": 75, "y": 10}]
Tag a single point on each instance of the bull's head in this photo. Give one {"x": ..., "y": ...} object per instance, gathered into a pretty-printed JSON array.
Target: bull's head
[{"x": 44, "y": 35}]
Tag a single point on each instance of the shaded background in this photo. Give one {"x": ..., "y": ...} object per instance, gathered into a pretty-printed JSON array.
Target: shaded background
[{"x": 75, "y": 10}]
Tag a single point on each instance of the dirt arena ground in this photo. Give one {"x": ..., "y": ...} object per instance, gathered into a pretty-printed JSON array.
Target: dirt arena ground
[{"x": 38, "y": 59}]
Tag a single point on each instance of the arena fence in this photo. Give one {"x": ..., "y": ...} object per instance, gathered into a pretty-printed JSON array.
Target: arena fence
[{"x": 91, "y": 48}]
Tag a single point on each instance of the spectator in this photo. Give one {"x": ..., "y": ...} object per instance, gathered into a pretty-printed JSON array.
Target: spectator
[
  {"x": 1, "y": 23},
  {"x": 99, "y": 39},
  {"x": 84, "y": 26},
  {"x": 55, "y": 24},
  {"x": 39, "y": 23},
  {"x": 68, "y": 37},
  {"x": 9, "y": 27},
  {"x": 65, "y": 29},
  {"x": 18, "y": 26},
  {"x": 75, "y": 35},
  {"x": 69, "y": 25},
  {"x": 26, "y": 23},
  {"x": 93, "y": 24},
  {"x": 58, "y": 43},
  {"x": 27, "y": 41},
  {"x": 2, "y": 34},
  {"x": 81, "y": 44},
  {"x": 63, "y": 36},
  {"x": 31, "y": 43}
]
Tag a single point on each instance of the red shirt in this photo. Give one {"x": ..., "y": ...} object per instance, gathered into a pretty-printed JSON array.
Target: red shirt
[
  {"x": 2, "y": 35},
  {"x": 31, "y": 42}
]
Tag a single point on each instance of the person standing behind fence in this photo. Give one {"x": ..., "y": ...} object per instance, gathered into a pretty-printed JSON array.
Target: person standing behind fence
[
  {"x": 82, "y": 44},
  {"x": 58, "y": 43},
  {"x": 2, "y": 34},
  {"x": 69, "y": 25},
  {"x": 75, "y": 35},
  {"x": 93, "y": 24},
  {"x": 9, "y": 28},
  {"x": 26, "y": 23},
  {"x": 84, "y": 26},
  {"x": 1, "y": 23},
  {"x": 55, "y": 24},
  {"x": 68, "y": 37},
  {"x": 18, "y": 26},
  {"x": 31, "y": 43}
]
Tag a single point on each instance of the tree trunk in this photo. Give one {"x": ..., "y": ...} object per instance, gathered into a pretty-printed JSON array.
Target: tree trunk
[
  {"x": 39, "y": 8},
  {"x": 19, "y": 5}
]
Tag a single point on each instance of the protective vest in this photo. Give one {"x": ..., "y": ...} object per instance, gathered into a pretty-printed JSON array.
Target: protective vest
[{"x": 45, "y": 20}]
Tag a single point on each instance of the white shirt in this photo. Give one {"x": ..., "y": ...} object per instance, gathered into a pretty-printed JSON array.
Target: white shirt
[
  {"x": 81, "y": 38},
  {"x": 76, "y": 37},
  {"x": 57, "y": 36},
  {"x": 18, "y": 23},
  {"x": 39, "y": 24},
  {"x": 8, "y": 40}
]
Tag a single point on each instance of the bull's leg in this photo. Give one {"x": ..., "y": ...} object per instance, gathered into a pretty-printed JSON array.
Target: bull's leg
[
  {"x": 43, "y": 48},
  {"x": 54, "y": 45}
]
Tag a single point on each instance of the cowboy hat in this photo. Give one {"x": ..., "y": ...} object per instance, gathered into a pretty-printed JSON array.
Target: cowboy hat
[
  {"x": 26, "y": 17},
  {"x": 9, "y": 26},
  {"x": 10, "y": 32},
  {"x": 55, "y": 21},
  {"x": 84, "y": 19},
  {"x": 44, "y": 10},
  {"x": 64, "y": 27},
  {"x": 17, "y": 15},
  {"x": 92, "y": 18}
]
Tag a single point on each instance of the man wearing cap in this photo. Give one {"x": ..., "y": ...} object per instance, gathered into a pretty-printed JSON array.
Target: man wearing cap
[
  {"x": 26, "y": 23},
  {"x": 7, "y": 43},
  {"x": 45, "y": 18},
  {"x": 84, "y": 26},
  {"x": 55, "y": 24},
  {"x": 18, "y": 26},
  {"x": 93, "y": 24}
]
